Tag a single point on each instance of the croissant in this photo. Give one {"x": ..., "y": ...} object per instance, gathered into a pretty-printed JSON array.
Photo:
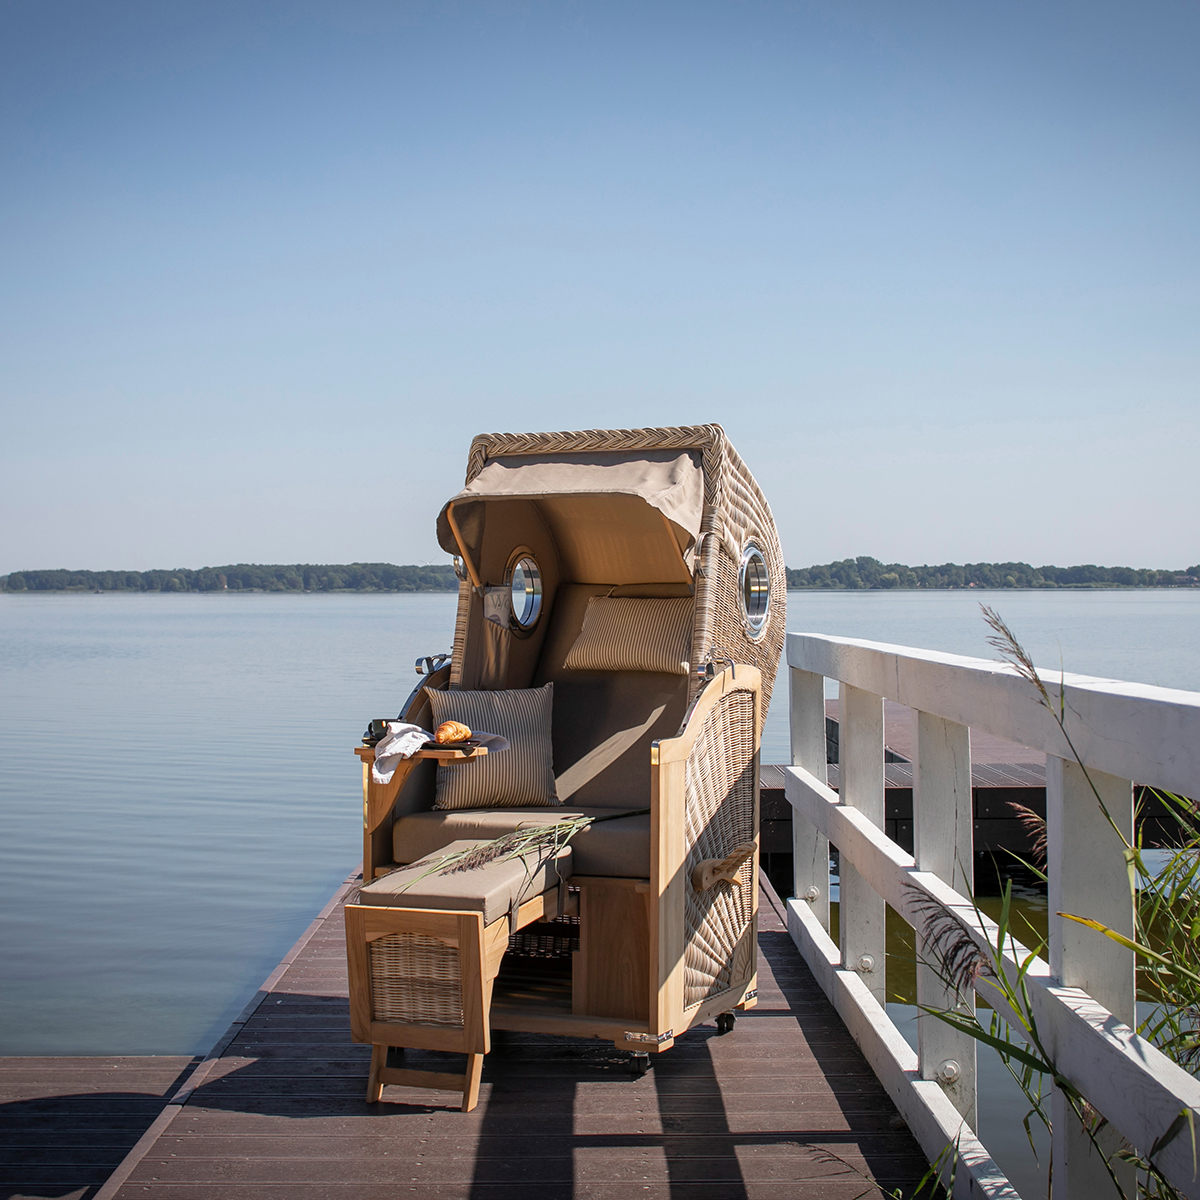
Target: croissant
[{"x": 451, "y": 731}]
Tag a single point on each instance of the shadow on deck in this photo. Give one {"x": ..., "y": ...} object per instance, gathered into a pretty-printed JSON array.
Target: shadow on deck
[{"x": 67, "y": 1122}]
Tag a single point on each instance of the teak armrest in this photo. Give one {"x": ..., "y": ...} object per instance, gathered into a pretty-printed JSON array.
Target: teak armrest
[{"x": 378, "y": 798}]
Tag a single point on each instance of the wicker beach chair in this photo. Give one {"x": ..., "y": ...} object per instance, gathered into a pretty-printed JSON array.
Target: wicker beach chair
[{"x": 621, "y": 614}]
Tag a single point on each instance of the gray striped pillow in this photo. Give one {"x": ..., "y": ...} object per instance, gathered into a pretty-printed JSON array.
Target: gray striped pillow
[
  {"x": 520, "y": 777},
  {"x": 627, "y": 634}
]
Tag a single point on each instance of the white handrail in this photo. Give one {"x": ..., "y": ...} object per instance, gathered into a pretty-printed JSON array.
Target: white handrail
[
  {"x": 1122, "y": 732},
  {"x": 1134, "y": 730}
]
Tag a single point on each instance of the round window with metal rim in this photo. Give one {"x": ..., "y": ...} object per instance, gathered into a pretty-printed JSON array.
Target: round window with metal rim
[
  {"x": 754, "y": 591},
  {"x": 525, "y": 578}
]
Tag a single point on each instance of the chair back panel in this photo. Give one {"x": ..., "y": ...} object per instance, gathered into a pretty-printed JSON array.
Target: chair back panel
[{"x": 604, "y": 721}]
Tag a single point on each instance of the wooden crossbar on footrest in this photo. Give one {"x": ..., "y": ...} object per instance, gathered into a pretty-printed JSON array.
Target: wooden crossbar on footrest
[
  {"x": 425, "y": 1079},
  {"x": 381, "y": 1074}
]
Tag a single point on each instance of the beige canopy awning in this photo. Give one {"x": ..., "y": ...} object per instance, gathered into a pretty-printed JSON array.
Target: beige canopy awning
[{"x": 671, "y": 481}]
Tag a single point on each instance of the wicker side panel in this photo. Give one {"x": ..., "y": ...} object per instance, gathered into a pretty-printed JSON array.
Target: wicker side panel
[
  {"x": 746, "y": 516},
  {"x": 719, "y": 623},
  {"x": 745, "y": 512},
  {"x": 415, "y": 978},
  {"x": 719, "y": 815}
]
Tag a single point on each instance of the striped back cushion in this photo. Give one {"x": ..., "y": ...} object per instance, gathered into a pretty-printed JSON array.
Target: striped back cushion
[
  {"x": 520, "y": 777},
  {"x": 627, "y": 634}
]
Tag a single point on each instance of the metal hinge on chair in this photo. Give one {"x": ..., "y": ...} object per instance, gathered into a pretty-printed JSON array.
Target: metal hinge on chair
[
  {"x": 655, "y": 1039},
  {"x": 425, "y": 666},
  {"x": 431, "y": 663},
  {"x": 717, "y": 655}
]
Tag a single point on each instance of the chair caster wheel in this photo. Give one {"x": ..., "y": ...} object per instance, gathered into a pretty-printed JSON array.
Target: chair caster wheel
[
  {"x": 639, "y": 1063},
  {"x": 725, "y": 1022}
]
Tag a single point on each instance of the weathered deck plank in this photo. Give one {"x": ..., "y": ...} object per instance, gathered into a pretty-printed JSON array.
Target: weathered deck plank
[{"x": 783, "y": 1107}]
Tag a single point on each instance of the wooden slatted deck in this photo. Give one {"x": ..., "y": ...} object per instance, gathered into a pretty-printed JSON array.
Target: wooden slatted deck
[{"x": 782, "y": 1108}]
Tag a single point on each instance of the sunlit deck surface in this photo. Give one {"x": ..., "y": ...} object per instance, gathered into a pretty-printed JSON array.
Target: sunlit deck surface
[{"x": 782, "y": 1107}]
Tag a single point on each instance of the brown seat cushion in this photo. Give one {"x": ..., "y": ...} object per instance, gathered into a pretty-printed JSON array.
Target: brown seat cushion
[
  {"x": 494, "y": 890},
  {"x": 619, "y": 848}
]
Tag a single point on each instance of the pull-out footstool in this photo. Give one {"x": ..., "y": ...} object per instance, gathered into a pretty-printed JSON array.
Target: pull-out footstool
[{"x": 424, "y": 949}]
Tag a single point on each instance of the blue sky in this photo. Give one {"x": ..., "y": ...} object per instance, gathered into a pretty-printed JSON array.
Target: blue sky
[{"x": 266, "y": 268}]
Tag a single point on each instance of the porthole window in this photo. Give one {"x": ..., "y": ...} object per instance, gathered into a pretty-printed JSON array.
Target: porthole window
[
  {"x": 754, "y": 590},
  {"x": 526, "y": 580}
]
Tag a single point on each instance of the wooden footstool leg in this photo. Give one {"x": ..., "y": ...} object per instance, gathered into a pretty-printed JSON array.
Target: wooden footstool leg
[
  {"x": 471, "y": 1081},
  {"x": 374, "y": 1083}
]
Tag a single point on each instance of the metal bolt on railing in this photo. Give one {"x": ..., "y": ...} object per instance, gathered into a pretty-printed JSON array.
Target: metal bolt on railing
[{"x": 866, "y": 964}]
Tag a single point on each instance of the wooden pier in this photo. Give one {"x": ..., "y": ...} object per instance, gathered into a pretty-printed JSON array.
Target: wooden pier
[{"x": 784, "y": 1107}]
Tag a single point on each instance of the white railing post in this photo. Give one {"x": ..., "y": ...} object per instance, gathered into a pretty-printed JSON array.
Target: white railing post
[
  {"x": 1088, "y": 878},
  {"x": 862, "y": 912},
  {"x": 943, "y": 821},
  {"x": 810, "y": 850}
]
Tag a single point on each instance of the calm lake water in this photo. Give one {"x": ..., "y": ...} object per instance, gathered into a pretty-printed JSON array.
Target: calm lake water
[{"x": 178, "y": 795}]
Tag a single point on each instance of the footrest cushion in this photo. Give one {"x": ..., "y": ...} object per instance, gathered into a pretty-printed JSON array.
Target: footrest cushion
[{"x": 494, "y": 889}]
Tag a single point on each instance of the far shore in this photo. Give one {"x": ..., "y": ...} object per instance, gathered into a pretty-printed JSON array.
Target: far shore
[{"x": 861, "y": 574}]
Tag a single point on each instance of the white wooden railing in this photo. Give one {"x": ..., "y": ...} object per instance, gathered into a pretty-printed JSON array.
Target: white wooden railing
[{"x": 1083, "y": 998}]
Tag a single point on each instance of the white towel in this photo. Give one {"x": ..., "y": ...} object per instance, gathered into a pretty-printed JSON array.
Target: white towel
[{"x": 401, "y": 741}]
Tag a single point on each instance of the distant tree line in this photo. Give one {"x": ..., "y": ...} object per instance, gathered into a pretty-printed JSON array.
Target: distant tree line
[
  {"x": 849, "y": 574},
  {"x": 863, "y": 572},
  {"x": 302, "y": 577}
]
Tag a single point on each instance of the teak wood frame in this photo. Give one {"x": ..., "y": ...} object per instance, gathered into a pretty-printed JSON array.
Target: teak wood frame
[{"x": 379, "y": 798}]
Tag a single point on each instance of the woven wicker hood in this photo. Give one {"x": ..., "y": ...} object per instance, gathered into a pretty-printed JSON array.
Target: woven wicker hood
[{"x": 661, "y": 508}]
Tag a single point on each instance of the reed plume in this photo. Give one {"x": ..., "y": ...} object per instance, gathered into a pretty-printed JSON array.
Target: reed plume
[
  {"x": 1035, "y": 830},
  {"x": 958, "y": 960}
]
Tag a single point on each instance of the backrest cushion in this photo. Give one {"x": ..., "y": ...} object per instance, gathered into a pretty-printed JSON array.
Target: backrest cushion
[
  {"x": 520, "y": 777},
  {"x": 634, "y": 634},
  {"x": 604, "y": 721}
]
